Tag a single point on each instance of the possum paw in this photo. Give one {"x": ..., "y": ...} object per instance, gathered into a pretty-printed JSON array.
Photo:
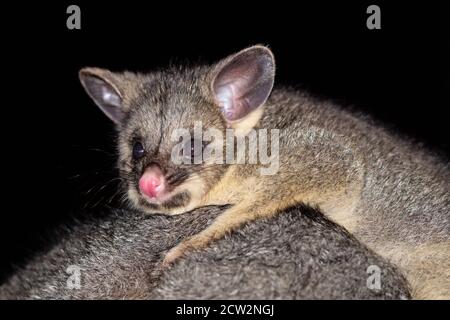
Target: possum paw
[
  {"x": 173, "y": 254},
  {"x": 196, "y": 242}
]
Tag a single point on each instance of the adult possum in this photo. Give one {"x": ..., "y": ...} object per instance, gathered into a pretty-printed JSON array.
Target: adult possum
[{"x": 298, "y": 254}]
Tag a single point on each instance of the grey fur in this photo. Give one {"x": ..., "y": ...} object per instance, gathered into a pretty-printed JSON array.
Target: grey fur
[{"x": 297, "y": 255}]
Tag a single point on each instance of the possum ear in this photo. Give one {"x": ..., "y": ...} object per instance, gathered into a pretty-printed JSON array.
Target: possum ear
[
  {"x": 242, "y": 83},
  {"x": 101, "y": 86}
]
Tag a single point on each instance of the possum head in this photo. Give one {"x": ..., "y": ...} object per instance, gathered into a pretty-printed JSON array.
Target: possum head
[{"x": 149, "y": 110}]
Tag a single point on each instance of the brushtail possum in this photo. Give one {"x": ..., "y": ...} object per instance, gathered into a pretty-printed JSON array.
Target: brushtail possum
[{"x": 391, "y": 194}]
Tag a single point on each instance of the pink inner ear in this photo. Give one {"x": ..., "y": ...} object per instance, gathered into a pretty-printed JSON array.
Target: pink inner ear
[
  {"x": 244, "y": 83},
  {"x": 230, "y": 99}
]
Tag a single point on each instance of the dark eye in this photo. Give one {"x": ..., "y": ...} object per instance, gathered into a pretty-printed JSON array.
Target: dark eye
[{"x": 138, "y": 150}]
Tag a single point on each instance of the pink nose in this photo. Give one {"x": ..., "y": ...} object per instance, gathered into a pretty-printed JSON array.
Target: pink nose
[{"x": 152, "y": 182}]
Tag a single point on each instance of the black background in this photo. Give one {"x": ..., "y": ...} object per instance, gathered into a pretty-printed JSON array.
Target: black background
[{"x": 59, "y": 148}]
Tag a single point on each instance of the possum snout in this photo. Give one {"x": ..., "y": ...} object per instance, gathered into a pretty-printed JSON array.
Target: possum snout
[{"x": 152, "y": 183}]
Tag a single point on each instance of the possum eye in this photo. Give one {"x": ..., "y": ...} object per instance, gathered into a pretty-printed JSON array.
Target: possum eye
[{"x": 138, "y": 150}]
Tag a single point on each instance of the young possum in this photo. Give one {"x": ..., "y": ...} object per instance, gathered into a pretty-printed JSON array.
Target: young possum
[{"x": 390, "y": 194}]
